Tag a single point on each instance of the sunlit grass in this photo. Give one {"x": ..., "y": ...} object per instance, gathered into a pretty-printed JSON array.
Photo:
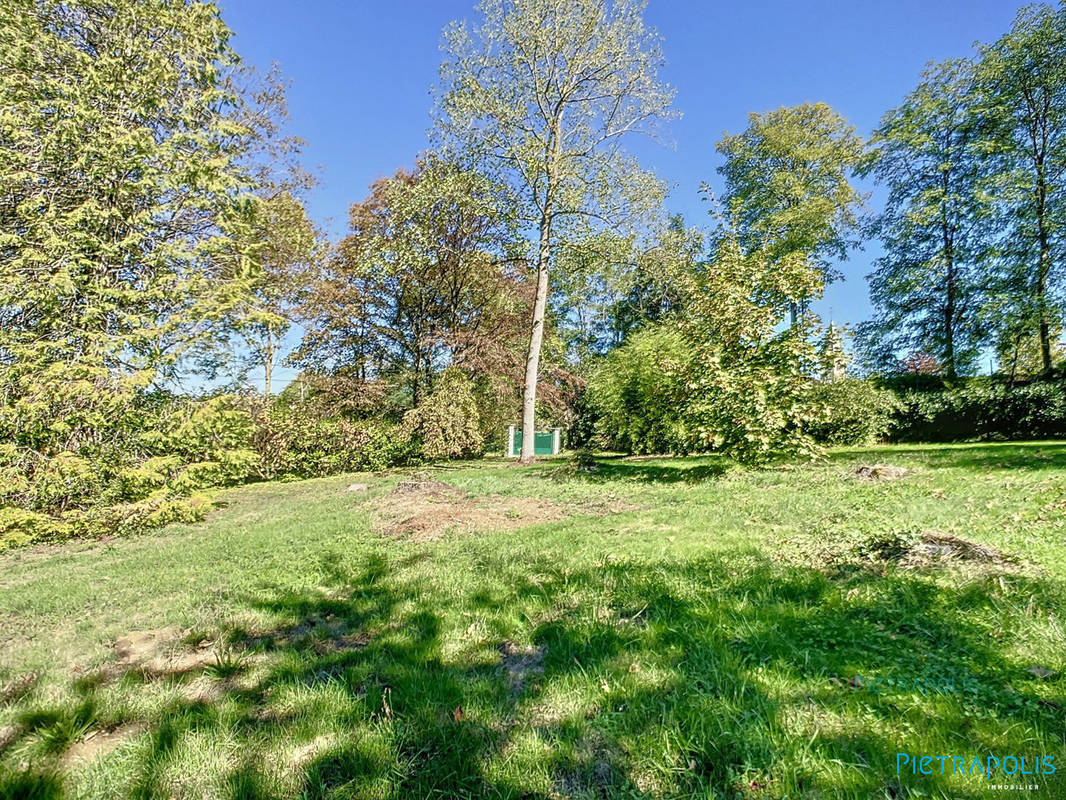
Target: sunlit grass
[{"x": 696, "y": 640}]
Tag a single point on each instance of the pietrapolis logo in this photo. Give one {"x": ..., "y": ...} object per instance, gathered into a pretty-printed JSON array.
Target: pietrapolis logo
[{"x": 960, "y": 765}]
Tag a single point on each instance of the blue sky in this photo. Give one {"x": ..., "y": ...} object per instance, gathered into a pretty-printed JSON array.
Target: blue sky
[{"x": 362, "y": 71}]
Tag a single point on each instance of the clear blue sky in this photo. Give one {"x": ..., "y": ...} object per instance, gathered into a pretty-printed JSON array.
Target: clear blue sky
[{"x": 362, "y": 70}]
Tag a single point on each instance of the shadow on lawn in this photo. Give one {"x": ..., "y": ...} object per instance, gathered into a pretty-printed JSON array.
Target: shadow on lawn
[
  {"x": 607, "y": 469},
  {"x": 985, "y": 456},
  {"x": 641, "y": 681}
]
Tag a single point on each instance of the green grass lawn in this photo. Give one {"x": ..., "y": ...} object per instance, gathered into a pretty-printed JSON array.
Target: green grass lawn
[{"x": 657, "y": 628}]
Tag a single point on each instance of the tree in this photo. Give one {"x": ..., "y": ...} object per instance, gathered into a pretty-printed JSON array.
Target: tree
[
  {"x": 1023, "y": 80},
  {"x": 930, "y": 283},
  {"x": 126, "y": 199},
  {"x": 542, "y": 93},
  {"x": 650, "y": 293},
  {"x": 751, "y": 396},
  {"x": 421, "y": 282},
  {"x": 833, "y": 354},
  {"x": 787, "y": 187},
  {"x": 283, "y": 242},
  {"x": 286, "y": 245}
]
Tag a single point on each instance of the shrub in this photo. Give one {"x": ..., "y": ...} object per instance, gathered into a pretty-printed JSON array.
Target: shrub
[
  {"x": 297, "y": 441},
  {"x": 445, "y": 424},
  {"x": 146, "y": 466},
  {"x": 638, "y": 394},
  {"x": 851, "y": 412},
  {"x": 982, "y": 409}
]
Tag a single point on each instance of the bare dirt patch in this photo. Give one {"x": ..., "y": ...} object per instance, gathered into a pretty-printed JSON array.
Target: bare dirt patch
[
  {"x": 901, "y": 549},
  {"x": 520, "y": 664},
  {"x": 101, "y": 742},
  {"x": 8, "y": 734},
  {"x": 880, "y": 472},
  {"x": 421, "y": 510},
  {"x": 17, "y": 688},
  {"x": 933, "y": 547},
  {"x": 163, "y": 652}
]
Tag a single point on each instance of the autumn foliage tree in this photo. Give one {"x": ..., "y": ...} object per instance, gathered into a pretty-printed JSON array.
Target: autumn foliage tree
[{"x": 423, "y": 281}]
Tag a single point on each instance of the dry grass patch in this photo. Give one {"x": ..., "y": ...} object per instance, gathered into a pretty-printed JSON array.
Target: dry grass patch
[{"x": 421, "y": 510}]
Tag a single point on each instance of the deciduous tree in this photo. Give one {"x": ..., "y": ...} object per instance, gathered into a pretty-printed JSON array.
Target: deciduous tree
[
  {"x": 788, "y": 187},
  {"x": 542, "y": 93},
  {"x": 1023, "y": 79},
  {"x": 422, "y": 281},
  {"x": 931, "y": 282}
]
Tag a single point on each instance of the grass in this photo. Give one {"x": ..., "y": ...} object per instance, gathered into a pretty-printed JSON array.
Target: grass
[{"x": 699, "y": 640}]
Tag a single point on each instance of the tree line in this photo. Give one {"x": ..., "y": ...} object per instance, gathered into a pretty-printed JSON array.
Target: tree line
[{"x": 154, "y": 236}]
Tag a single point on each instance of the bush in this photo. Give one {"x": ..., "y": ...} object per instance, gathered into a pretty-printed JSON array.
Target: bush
[
  {"x": 638, "y": 394},
  {"x": 851, "y": 412},
  {"x": 445, "y": 424},
  {"x": 982, "y": 409},
  {"x": 296, "y": 441},
  {"x": 144, "y": 467}
]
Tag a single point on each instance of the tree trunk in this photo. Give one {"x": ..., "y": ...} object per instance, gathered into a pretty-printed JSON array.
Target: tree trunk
[
  {"x": 268, "y": 365},
  {"x": 536, "y": 339},
  {"x": 1043, "y": 268},
  {"x": 416, "y": 383},
  {"x": 949, "y": 289}
]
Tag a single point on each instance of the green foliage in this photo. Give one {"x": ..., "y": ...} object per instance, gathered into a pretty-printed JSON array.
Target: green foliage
[
  {"x": 151, "y": 471},
  {"x": 1022, "y": 80},
  {"x": 211, "y": 439},
  {"x": 299, "y": 441},
  {"x": 850, "y": 412},
  {"x": 639, "y": 393},
  {"x": 981, "y": 409},
  {"x": 751, "y": 394},
  {"x": 787, "y": 184},
  {"x": 930, "y": 284},
  {"x": 124, "y": 247},
  {"x": 542, "y": 95},
  {"x": 445, "y": 424},
  {"x": 721, "y": 376}
]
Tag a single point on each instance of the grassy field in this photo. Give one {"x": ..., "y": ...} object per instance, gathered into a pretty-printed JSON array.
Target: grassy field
[{"x": 637, "y": 628}]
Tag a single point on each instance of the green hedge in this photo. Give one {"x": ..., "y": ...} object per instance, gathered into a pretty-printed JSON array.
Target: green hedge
[
  {"x": 158, "y": 461},
  {"x": 851, "y": 412},
  {"x": 981, "y": 410}
]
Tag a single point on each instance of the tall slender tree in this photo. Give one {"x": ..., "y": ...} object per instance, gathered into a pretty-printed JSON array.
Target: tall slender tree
[
  {"x": 929, "y": 285},
  {"x": 1023, "y": 78},
  {"x": 542, "y": 93}
]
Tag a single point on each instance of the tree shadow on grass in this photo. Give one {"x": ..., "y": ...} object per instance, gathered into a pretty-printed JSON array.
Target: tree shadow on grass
[
  {"x": 608, "y": 469},
  {"x": 988, "y": 456},
  {"x": 703, "y": 678}
]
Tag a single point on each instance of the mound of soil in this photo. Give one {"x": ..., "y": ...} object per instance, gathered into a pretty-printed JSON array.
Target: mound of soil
[
  {"x": 929, "y": 549},
  {"x": 938, "y": 547},
  {"x": 902, "y": 549},
  {"x": 880, "y": 472},
  {"x": 422, "y": 509}
]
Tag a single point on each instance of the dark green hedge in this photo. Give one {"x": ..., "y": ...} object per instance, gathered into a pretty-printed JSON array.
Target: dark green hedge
[{"x": 982, "y": 410}]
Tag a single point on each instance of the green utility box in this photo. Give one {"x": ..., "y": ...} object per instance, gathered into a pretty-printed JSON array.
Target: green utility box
[{"x": 545, "y": 443}]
